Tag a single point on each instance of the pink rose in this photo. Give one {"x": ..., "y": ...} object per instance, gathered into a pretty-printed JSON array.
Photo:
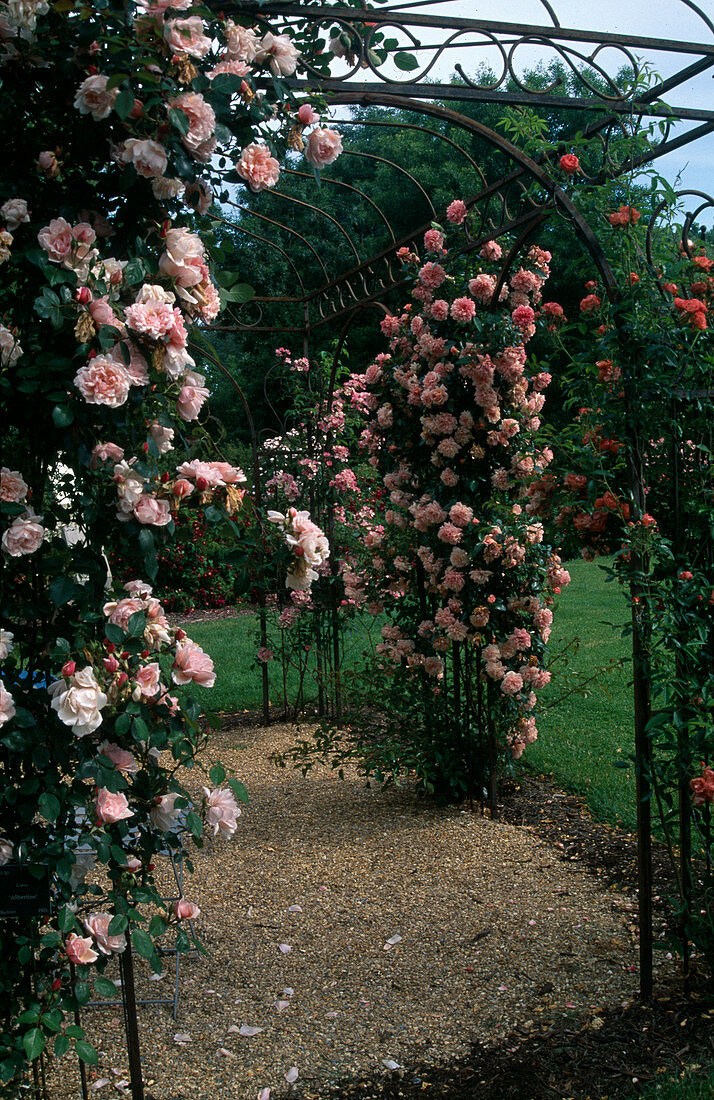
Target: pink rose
[
  {"x": 222, "y": 810},
  {"x": 23, "y": 536},
  {"x": 121, "y": 758},
  {"x": 106, "y": 452},
  {"x": 191, "y": 399},
  {"x": 153, "y": 318},
  {"x": 431, "y": 275},
  {"x": 111, "y": 807},
  {"x": 7, "y": 705},
  {"x": 13, "y": 487},
  {"x": 456, "y": 212},
  {"x": 241, "y": 42},
  {"x": 322, "y": 147},
  {"x": 185, "y": 257},
  {"x": 148, "y": 157},
  {"x": 491, "y": 250},
  {"x": 511, "y": 683},
  {"x": 201, "y": 124},
  {"x": 186, "y": 36},
  {"x": 185, "y": 910},
  {"x": 103, "y": 314},
  {"x": 258, "y": 168},
  {"x": 191, "y": 664},
  {"x": 151, "y": 511},
  {"x": 79, "y": 950},
  {"x": 280, "y": 54},
  {"x": 103, "y": 381},
  {"x": 48, "y": 164},
  {"x": 137, "y": 368},
  {"x": 56, "y": 239},
  {"x": 93, "y": 99},
  {"x": 120, "y": 613},
  {"x": 79, "y": 701},
  {"x": 182, "y": 488},
  {"x": 148, "y": 680},
  {"x": 164, "y": 814},
  {"x": 307, "y": 114},
  {"x": 463, "y": 310},
  {"x": 97, "y": 924}
]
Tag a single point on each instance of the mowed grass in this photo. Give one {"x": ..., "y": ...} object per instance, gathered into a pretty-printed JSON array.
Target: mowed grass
[{"x": 582, "y": 737}]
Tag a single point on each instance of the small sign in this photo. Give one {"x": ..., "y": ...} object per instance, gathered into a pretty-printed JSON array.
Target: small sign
[{"x": 22, "y": 894}]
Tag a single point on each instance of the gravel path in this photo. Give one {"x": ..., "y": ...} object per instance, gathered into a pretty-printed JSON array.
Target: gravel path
[{"x": 361, "y": 931}]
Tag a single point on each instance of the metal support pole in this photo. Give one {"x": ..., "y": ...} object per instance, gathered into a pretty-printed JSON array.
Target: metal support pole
[{"x": 131, "y": 1025}]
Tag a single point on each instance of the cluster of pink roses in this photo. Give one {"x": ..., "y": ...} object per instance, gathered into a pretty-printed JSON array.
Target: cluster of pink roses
[
  {"x": 24, "y": 533},
  {"x": 308, "y": 544},
  {"x": 453, "y": 431}
]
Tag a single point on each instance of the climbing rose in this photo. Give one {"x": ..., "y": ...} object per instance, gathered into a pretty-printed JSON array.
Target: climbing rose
[
  {"x": 93, "y": 99},
  {"x": 78, "y": 704},
  {"x": 185, "y": 36},
  {"x": 23, "y": 536},
  {"x": 192, "y": 665},
  {"x": 103, "y": 381},
  {"x": 111, "y": 807},
  {"x": 97, "y": 924},
  {"x": 322, "y": 147},
  {"x": 7, "y": 706},
  {"x": 185, "y": 910},
  {"x": 79, "y": 949},
  {"x": 222, "y": 810},
  {"x": 279, "y": 52},
  {"x": 456, "y": 212},
  {"x": 148, "y": 157},
  {"x": 569, "y": 164},
  {"x": 258, "y": 168},
  {"x": 13, "y": 487}
]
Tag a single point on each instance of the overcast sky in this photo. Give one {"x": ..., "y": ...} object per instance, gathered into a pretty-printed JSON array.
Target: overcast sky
[{"x": 664, "y": 20}]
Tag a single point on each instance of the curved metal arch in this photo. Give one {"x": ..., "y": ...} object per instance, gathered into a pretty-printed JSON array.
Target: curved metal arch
[
  {"x": 264, "y": 240},
  {"x": 280, "y": 225},
  {"x": 420, "y": 129},
  {"x": 318, "y": 210},
  {"x": 349, "y": 187},
  {"x": 392, "y": 164},
  {"x": 531, "y": 167}
]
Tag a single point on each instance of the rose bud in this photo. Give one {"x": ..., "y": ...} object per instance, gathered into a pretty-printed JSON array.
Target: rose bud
[
  {"x": 185, "y": 910},
  {"x": 83, "y": 295},
  {"x": 68, "y": 668},
  {"x": 137, "y": 110},
  {"x": 180, "y": 634},
  {"x": 201, "y": 484},
  {"x": 111, "y": 664},
  {"x": 182, "y": 488}
]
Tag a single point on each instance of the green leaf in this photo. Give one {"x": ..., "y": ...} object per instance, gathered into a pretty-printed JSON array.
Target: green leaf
[
  {"x": 62, "y": 417},
  {"x": 34, "y": 1043},
  {"x": 118, "y": 924},
  {"x": 62, "y": 590},
  {"x": 114, "y": 633},
  {"x": 82, "y": 992},
  {"x": 67, "y": 919},
  {"x": 407, "y": 62},
  {"x": 214, "y": 514},
  {"x": 86, "y": 1052},
  {"x": 180, "y": 120},
  {"x": 194, "y": 824},
  {"x": 104, "y": 988},
  {"x": 134, "y": 272},
  {"x": 217, "y": 774},
  {"x": 49, "y": 806},
  {"x": 124, "y": 103},
  {"x": 137, "y": 624},
  {"x": 238, "y": 790},
  {"x": 226, "y": 83},
  {"x": 61, "y": 1045}
]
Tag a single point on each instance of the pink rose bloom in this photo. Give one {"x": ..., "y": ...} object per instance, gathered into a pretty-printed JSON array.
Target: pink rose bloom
[
  {"x": 7, "y": 705},
  {"x": 111, "y": 807},
  {"x": 23, "y": 536},
  {"x": 482, "y": 287},
  {"x": 147, "y": 156},
  {"x": 13, "y": 487},
  {"x": 434, "y": 666},
  {"x": 137, "y": 368},
  {"x": 103, "y": 314},
  {"x": 56, "y": 239},
  {"x": 153, "y": 318},
  {"x": 449, "y": 532},
  {"x": 231, "y": 68},
  {"x": 185, "y": 910},
  {"x": 461, "y": 514},
  {"x": 201, "y": 124},
  {"x": 106, "y": 452},
  {"x": 184, "y": 258},
  {"x": 491, "y": 250},
  {"x": 97, "y": 924},
  {"x": 523, "y": 317},
  {"x": 79, "y": 950},
  {"x": 182, "y": 488},
  {"x": 511, "y": 683},
  {"x": 148, "y": 680},
  {"x": 264, "y": 654},
  {"x": 78, "y": 703},
  {"x": 120, "y": 613},
  {"x": 191, "y": 399},
  {"x": 322, "y": 147},
  {"x": 164, "y": 814},
  {"x": 48, "y": 164},
  {"x": 121, "y": 758},
  {"x": 456, "y": 212},
  {"x": 151, "y": 511},
  {"x": 103, "y": 381},
  {"x": 222, "y": 810},
  {"x": 434, "y": 240},
  {"x": 463, "y": 310},
  {"x": 307, "y": 114},
  {"x": 186, "y": 36},
  {"x": 192, "y": 665},
  {"x": 15, "y": 213},
  {"x": 280, "y": 54},
  {"x": 162, "y": 437},
  {"x": 432, "y": 275},
  {"x": 440, "y": 309},
  {"x": 93, "y": 99},
  {"x": 258, "y": 168},
  {"x": 241, "y": 42}
]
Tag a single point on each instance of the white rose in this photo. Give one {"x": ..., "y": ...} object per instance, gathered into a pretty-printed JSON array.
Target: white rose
[
  {"x": 6, "y": 646},
  {"x": 14, "y": 211},
  {"x": 164, "y": 815},
  {"x": 78, "y": 705},
  {"x": 10, "y": 350}
]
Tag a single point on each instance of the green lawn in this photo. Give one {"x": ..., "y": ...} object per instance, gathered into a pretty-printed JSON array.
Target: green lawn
[
  {"x": 582, "y": 737},
  {"x": 693, "y": 1086}
]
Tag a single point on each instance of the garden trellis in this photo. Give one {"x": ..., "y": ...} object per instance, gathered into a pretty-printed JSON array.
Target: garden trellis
[{"x": 388, "y": 55}]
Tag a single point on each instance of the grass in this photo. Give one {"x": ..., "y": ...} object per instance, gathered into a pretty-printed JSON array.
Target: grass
[
  {"x": 692, "y": 1086},
  {"x": 583, "y": 737}
]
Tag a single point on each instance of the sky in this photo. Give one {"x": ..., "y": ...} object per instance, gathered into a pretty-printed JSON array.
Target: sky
[{"x": 665, "y": 20}]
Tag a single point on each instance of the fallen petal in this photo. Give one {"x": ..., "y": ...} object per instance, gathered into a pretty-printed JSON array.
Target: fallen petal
[
  {"x": 288, "y": 991},
  {"x": 285, "y": 948},
  {"x": 282, "y": 1005},
  {"x": 390, "y": 1063},
  {"x": 295, "y": 909},
  {"x": 233, "y": 1029},
  {"x": 248, "y": 1031},
  {"x": 226, "y": 1053},
  {"x": 391, "y": 942},
  {"x": 182, "y": 1037},
  {"x": 264, "y": 1094},
  {"x": 101, "y": 1082},
  {"x": 292, "y": 1075}
]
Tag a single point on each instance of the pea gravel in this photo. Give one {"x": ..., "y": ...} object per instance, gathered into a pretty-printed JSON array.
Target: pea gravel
[{"x": 354, "y": 930}]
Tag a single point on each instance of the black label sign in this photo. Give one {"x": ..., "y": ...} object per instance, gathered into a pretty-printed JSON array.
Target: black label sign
[{"x": 22, "y": 894}]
